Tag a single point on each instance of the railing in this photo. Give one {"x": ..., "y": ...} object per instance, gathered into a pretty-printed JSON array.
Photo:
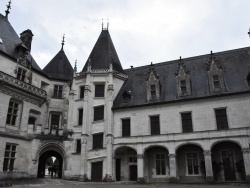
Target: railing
[{"x": 22, "y": 85}]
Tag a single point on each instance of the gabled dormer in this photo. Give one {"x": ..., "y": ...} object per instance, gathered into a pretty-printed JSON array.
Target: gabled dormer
[
  {"x": 215, "y": 77},
  {"x": 153, "y": 85},
  {"x": 183, "y": 81}
]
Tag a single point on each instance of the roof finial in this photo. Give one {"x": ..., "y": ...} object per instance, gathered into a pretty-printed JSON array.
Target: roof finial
[
  {"x": 102, "y": 23},
  {"x": 249, "y": 33},
  {"x": 63, "y": 42},
  {"x": 8, "y": 10},
  {"x": 180, "y": 58},
  {"x": 75, "y": 68},
  {"x": 108, "y": 25}
]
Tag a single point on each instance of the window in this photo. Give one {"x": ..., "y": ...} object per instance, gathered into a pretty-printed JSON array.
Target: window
[
  {"x": 80, "y": 116},
  {"x": 21, "y": 74},
  {"x": 32, "y": 120},
  {"x": 160, "y": 164},
  {"x": 98, "y": 113},
  {"x": 98, "y": 141},
  {"x": 125, "y": 127},
  {"x": 58, "y": 91},
  {"x": 99, "y": 90},
  {"x": 9, "y": 157},
  {"x": 221, "y": 119},
  {"x": 82, "y": 92},
  {"x": 186, "y": 122},
  {"x": 55, "y": 122},
  {"x": 132, "y": 159},
  {"x": 192, "y": 163},
  {"x": 183, "y": 86},
  {"x": 155, "y": 125},
  {"x": 12, "y": 113},
  {"x": 153, "y": 91},
  {"x": 78, "y": 146},
  {"x": 216, "y": 82}
]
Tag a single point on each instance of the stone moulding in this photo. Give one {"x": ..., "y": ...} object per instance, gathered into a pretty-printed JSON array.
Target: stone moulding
[{"x": 17, "y": 88}]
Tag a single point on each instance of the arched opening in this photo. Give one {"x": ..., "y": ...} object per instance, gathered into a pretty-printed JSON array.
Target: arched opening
[
  {"x": 50, "y": 165},
  {"x": 125, "y": 164},
  {"x": 190, "y": 163},
  {"x": 227, "y": 162},
  {"x": 156, "y": 164}
]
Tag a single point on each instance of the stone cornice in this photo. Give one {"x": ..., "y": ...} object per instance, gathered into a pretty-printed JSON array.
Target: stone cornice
[{"x": 21, "y": 90}]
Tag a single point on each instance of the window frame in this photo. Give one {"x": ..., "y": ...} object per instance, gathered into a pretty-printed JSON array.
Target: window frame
[
  {"x": 78, "y": 146},
  {"x": 21, "y": 74},
  {"x": 165, "y": 162},
  {"x": 198, "y": 163},
  {"x": 80, "y": 117},
  {"x": 58, "y": 91},
  {"x": 182, "y": 86},
  {"x": 185, "y": 119},
  {"x": 7, "y": 159},
  {"x": 96, "y": 145},
  {"x": 155, "y": 127},
  {"x": 99, "y": 92},
  {"x": 81, "y": 92},
  {"x": 13, "y": 114},
  {"x": 126, "y": 125},
  {"x": 52, "y": 113},
  {"x": 216, "y": 82},
  {"x": 226, "y": 117},
  {"x": 95, "y": 115}
]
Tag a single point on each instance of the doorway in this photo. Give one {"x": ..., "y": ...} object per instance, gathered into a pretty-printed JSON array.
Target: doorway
[
  {"x": 96, "y": 171},
  {"x": 50, "y": 165},
  {"x": 133, "y": 172},
  {"x": 118, "y": 169},
  {"x": 228, "y": 165}
]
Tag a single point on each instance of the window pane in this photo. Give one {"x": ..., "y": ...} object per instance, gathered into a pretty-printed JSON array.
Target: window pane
[
  {"x": 78, "y": 146},
  {"x": 13, "y": 148},
  {"x": 7, "y": 147},
  {"x": 97, "y": 141},
  {"x": 186, "y": 122},
  {"x": 5, "y": 164},
  {"x": 11, "y": 164},
  {"x": 126, "y": 127},
  {"x": 98, "y": 113},
  {"x": 80, "y": 116},
  {"x": 99, "y": 90},
  {"x": 82, "y": 92},
  {"x": 155, "y": 125},
  {"x": 7, "y": 154}
]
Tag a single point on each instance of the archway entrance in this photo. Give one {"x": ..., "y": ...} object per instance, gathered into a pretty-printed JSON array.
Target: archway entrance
[
  {"x": 50, "y": 165},
  {"x": 227, "y": 160},
  {"x": 126, "y": 164}
]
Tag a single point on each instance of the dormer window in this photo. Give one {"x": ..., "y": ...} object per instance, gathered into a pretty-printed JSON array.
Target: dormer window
[
  {"x": 21, "y": 74},
  {"x": 183, "y": 86},
  {"x": 153, "y": 85},
  {"x": 215, "y": 76},
  {"x": 216, "y": 81},
  {"x": 126, "y": 96},
  {"x": 183, "y": 82}
]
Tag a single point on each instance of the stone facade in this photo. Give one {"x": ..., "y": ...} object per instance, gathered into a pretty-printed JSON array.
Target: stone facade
[{"x": 79, "y": 121}]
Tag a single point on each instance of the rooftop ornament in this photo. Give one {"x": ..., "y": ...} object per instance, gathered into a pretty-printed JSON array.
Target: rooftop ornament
[
  {"x": 105, "y": 28},
  {"x": 63, "y": 42},
  {"x": 8, "y": 10},
  {"x": 249, "y": 33}
]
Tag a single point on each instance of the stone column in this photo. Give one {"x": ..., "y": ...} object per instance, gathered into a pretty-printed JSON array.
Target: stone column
[
  {"x": 109, "y": 175},
  {"x": 83, "y": 160},
  {"x": 71, "y": 110},
  {"x": 172, "y": 167},
  {"x": 140, "y": 169},
  {"x": 246, "y": 158},
  {"x": 208, "y": 166},
  {"x": 87, "y": 90}
]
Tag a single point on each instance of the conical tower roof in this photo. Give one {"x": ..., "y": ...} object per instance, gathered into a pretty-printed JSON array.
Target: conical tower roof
[
  {"x": 103, "y": 53},
  {"x": 59, "y": 67}
]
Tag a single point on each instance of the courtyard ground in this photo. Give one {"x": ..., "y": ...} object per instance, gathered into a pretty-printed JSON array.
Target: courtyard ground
[{"x": 55, "y": 183}]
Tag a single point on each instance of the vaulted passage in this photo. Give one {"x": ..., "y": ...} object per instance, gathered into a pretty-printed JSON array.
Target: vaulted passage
[{"x": 50, "y": 165}]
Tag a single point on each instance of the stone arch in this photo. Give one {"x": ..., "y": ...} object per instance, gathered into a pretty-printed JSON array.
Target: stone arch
[
  {"x": 188, "y": 143},
  {"x": 154, "y": 145},
  {"x": 225, "y": 140},
  {"x": 124, "y": 146},
  {"x": 55, "y": 146}
]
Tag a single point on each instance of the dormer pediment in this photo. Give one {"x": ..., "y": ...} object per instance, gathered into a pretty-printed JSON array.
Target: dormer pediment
[{"x": 153, "y": 85}]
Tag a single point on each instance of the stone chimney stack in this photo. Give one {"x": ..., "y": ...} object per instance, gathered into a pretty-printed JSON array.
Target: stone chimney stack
[{"x": 26, "y": 36}]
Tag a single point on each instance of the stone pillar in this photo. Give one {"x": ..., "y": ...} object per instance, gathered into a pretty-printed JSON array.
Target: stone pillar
[
  {"x": 246, "y": 158},
  {"x": 208, "y": 166},
  {"x": 83, "y": 160},
  {"x": 172, "y": 167},
  {"x": 87, "y": 90},
  {"x": 109, "y": 175},
  {"x": 140, "y": 169},
  {"x": 71, "y": 111}
]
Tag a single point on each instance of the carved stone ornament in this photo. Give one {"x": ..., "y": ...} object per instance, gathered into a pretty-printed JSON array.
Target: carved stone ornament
[
  {"x": 207, "y": 153},
  {"x": 140, "y": 156},
  {"x": 246, "y": 150},
  {"x": 172, "y": 155},
  {"x": 84, "y": 140},
  {"x": 110, "y": 140}
]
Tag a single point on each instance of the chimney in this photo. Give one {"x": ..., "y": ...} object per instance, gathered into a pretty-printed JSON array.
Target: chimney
[{"x": 26, "y": 36}]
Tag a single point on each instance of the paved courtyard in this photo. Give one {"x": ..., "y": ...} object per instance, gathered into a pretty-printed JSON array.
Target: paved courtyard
[{"x": 55, "y": 183}]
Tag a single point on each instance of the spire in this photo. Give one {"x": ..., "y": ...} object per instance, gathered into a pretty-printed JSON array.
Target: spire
[
  {"x": 102, "y": 24},
  {"x": 105, "y": 28},
  {"x": 8, "y": 10},
  {"x": 75, "y": 68},
  {"x": 63, "y": 42},
  {"x": 249, "y": 33}
]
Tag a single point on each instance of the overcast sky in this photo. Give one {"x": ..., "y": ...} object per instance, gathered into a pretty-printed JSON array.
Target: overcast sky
[{"x": 142, "y": 31}]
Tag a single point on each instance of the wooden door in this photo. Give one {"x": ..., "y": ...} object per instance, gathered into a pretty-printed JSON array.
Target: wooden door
[
  {"x": 228, "y": 165},
  {"x": 118, "y": 169},
  {"x": 96, "y": 171},
  {"x": 133, "y": 172}
]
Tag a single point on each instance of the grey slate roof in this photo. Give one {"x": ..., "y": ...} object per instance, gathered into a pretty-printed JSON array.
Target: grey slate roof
[
  {"x": 234, "y": 63},
  {"x": 59, "y": 67},
  {"x": 102, "y": 52},
  {"x": 11, "y": 40}
]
